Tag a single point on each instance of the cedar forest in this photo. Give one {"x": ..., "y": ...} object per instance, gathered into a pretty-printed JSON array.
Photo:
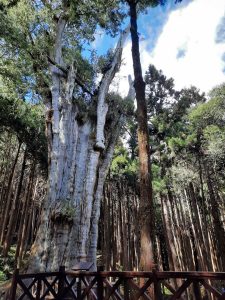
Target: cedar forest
[{"x": 87, "y": 175}]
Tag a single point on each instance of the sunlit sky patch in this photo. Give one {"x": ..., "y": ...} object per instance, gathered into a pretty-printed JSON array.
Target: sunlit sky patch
[{"x": 186, "y": 41}]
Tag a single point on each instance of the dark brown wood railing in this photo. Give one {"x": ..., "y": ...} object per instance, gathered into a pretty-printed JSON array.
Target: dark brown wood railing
[{"x": 114, "y": 285}]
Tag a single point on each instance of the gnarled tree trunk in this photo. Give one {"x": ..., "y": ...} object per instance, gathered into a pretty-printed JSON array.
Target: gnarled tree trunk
[{"x": 80, "y": 150}]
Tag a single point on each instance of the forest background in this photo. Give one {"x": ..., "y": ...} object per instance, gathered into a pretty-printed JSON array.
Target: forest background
[{"x": 186, "y": 132}]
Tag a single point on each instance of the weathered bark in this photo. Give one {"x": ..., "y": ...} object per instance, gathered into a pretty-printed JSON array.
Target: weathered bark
[
  {"x": 99, "y": 191},
  {"x": 79, "y": 157},
  {"x": 108, "y": 231},
  {"x": 146, "y": 202}
]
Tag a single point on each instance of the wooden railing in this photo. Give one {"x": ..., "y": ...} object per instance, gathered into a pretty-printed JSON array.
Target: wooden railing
[{"x": 118, "y": 285}]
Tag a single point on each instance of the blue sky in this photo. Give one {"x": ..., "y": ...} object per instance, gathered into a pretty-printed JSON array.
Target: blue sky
[
  {"x": 151, "y": 23},
  {"x": 155, "y": 18},
  {"x": 186, "y": 40}
]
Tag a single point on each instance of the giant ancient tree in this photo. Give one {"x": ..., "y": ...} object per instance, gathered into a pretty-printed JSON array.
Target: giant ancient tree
[{"x": 82, "y": 120}]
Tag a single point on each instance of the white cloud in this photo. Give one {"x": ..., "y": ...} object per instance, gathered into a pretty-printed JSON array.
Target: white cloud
[
  {"x": 191, "y": 31},
  {"x": 120, "y": 82}
]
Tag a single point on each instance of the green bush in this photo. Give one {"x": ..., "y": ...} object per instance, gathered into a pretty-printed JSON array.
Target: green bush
[{"x": 2, "y": 276}]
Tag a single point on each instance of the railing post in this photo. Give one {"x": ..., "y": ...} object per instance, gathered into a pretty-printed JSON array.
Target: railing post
[
  {"x": 79, "y": 288},
  {"x": 61, "y": 283},
  {"x": 157, "y": 289},
  {"x": 197, "y": 291},
  {"x": 38, "y": 293},
  {"x": 14, "y": 285},
  {"x": 126, "y": 289},
  {"x": 100, "y": 287}
]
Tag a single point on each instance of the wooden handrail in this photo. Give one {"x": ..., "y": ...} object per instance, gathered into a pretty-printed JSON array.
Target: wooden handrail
[
  {"x": 97, "y": 283},
  {"x": 160, "y": 274}
]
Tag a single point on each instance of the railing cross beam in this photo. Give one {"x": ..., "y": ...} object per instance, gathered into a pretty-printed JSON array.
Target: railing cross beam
[{"x": 98, "y": 286}]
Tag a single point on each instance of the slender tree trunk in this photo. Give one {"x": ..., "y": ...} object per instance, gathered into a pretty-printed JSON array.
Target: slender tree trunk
[
  {"x": 172, "y": 256},
  {"x": 202, "y": 249},
  {"x": 187, "y": 221},
  {"x": 107, "y": 229},
  {"x": 178, "y": 239},
  {"x": 24, "y": 218},
  {"x": 4, "y": 172},
  {"x": 146, "y": 202},
  {"x": 219, "y": 231},
  {"x": 129, "y": 232},
  {"x": 8, "y": 196},
  {"x": 14, "y": 209}
]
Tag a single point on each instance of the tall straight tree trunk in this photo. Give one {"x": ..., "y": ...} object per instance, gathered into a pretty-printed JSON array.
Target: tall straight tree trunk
[
  {"x": 14, "y": 209},
  {"x": 202, "y": 249},
  {"x": 186, "y": 233},
  {"x": 4, "y": 172},
  {"x": 27, "y": 208},
  {"x": 24, "y": 217},
  {"x": 146, "y": 218},
  {"x": 129, "y": 232},
  {"x": 219, "y": 232},
  {"x": 8, "y": 196},
  {"x": 172, "y": 256}
]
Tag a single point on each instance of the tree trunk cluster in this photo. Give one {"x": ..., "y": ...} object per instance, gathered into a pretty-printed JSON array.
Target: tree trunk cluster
[
  {"x": 189, "y": 225},
  {"x": 119, "y": 226},
  {"x": 22, "y": 190}
]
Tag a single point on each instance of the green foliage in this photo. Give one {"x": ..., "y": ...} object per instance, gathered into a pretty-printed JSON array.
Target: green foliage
[
  {"x": 104, "y": 61},
  {"x": 158, "y": 183},
  {"x": 27, "y": 122},
  {"x": 122, "y": 164},
  {"x": 28, "y": 31},
  {"x": 171, "y": 134},
  {"x": 2, "y": 276},
  {"x": 7, "y": 264},
  {"x": 182, "y": 174},
  {"x": 144, "y": 4},
  {"x": 159, "y": 91},
  {"x": 120, "y": 105},
  {"x": 120, "y": 161},
  {"x": 202, "y": 135},
  {"x": 218, "y": 91},
  {"x": 64, "y": 212},
  {"x": 107, "y": 14},
  {"x": 214, "y": 139},
  {"x": 176, "y": 144},
  {"x": 68, "y": 210},
  {"x": 209, "y": 113}
]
